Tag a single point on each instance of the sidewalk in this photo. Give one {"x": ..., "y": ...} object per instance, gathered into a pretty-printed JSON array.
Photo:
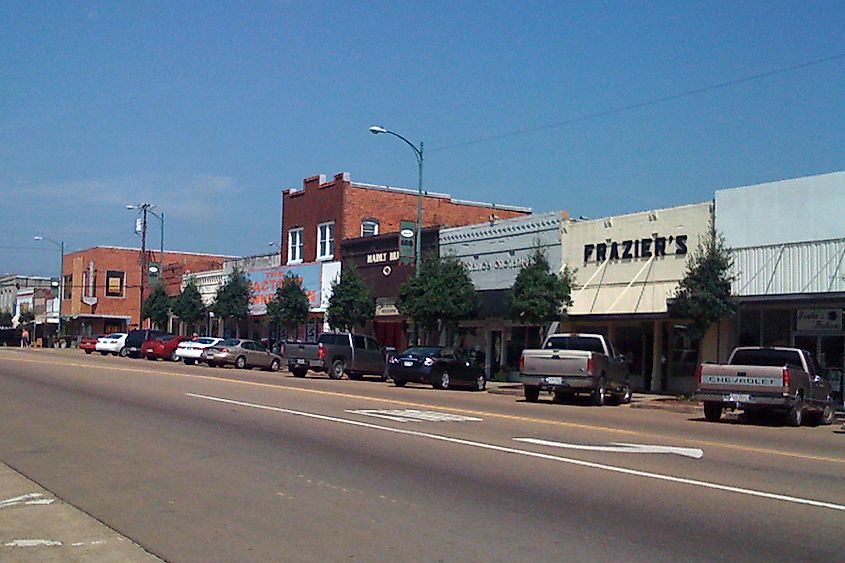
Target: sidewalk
[{"x": 36, "y": 526}]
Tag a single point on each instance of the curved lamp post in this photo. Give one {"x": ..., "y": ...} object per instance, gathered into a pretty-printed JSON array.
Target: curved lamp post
[
  {"x": 61, "y": 246},
  {"x": 418, "y": 152}
]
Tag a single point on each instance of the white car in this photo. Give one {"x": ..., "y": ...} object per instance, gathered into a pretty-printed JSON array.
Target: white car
[
  {"x": 190, "y": 351},
  {"x": 112, "y": 344}
]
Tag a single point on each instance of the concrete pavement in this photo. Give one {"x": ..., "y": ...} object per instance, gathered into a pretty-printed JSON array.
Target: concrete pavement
[{"x": 37, "y": 526}]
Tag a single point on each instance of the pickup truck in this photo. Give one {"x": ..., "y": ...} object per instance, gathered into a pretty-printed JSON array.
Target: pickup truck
[
  {"x": 756, "y": 379},
  {"x": 336, "y": 354},
  {"x": 569, "y": 364}
]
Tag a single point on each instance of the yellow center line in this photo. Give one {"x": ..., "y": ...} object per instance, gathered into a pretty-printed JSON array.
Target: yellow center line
[{"x": 460, "y": 410}]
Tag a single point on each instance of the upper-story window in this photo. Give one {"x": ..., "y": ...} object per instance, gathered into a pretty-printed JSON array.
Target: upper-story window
[
  {"x": 369, "y": 227},
  {"x": 115, "y": 281},
  {"x": 294, "y": 246},
  {"x": 325, "y": 241}
]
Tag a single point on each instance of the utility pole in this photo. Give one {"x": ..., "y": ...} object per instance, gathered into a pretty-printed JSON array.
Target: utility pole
[{"x": 144, "y": 208}]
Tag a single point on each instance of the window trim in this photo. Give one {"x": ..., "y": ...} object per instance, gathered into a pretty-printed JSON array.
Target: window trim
[
  {"x": 376, "y": 226},
  {"x": 112, "y": 274},
  {"x": 301, "y": 245},
  {"x": 330, "y": 242}
]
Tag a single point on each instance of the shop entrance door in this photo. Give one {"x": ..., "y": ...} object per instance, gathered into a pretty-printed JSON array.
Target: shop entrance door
[{"x": 829, "y": 350}]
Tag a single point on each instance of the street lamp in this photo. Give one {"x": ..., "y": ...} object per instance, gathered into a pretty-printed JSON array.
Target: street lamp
[
  {"x": 144, "y": 209},
  {"x": 61, "y": 246},
  {"x": 418, "y": 152}
]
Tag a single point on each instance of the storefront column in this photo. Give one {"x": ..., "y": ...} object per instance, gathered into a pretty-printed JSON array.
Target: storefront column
[{"x": 657, "y": 354}]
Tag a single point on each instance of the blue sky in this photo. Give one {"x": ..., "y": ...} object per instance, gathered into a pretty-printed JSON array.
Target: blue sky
[{"x": 210, "y": 109}]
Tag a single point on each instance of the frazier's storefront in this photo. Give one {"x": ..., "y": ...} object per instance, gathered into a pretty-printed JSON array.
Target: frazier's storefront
[{"x": 626, "y": 268}]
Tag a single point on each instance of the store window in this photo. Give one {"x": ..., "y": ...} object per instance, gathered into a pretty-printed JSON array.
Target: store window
[
  {"x": 369, "y": 228},
  {"x": 325, "y": 241},
  {"x": 777, "y": 327},
  {"x": 749, "y": 328}
]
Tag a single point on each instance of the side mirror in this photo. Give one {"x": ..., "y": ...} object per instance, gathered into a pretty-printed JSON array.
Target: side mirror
[{"x": 621, "y": 358}]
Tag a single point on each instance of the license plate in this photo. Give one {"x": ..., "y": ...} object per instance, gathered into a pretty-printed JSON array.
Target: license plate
[
  {"x": 738, "y": 398},
  {"x": 554, "y": 380},
  {"x": 408, "y": 364},
  {"x": 149, "y": 350},
  {"x": 300, "y": 361}
]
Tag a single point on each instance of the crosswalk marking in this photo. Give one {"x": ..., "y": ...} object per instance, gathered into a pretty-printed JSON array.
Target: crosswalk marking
[{"x": 414, "y": 415}]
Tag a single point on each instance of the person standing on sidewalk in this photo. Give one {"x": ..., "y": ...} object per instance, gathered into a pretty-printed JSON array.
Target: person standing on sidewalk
[{"x": 24, "y": 338}]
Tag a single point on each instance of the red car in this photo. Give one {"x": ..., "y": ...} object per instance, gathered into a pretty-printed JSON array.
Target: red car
[
  {"x": 88, "y": 343},
  {"x": 163, "y": 347}
]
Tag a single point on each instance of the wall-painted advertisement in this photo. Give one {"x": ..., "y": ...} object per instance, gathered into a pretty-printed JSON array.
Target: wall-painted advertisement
[{"x": 265, "y": 282}]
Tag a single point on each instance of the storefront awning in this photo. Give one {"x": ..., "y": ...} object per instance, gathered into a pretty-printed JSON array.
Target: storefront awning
[{"x": 107, "y": 317}]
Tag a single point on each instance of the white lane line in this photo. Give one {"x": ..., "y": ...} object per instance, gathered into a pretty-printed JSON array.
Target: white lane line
[
  {"x": 621, "y": 448},
  {"x": 32, "y": 543},
  {"x": 415, "y": 415},
  {"x": 528, "y": 453},
  {"x": 19, "y": 499}
]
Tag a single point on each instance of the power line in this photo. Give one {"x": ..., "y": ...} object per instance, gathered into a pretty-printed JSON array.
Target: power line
[{"x": 651, "y": 102}]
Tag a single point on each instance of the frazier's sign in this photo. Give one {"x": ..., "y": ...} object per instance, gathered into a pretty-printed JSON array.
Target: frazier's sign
[{"x": 640, "y": 248}]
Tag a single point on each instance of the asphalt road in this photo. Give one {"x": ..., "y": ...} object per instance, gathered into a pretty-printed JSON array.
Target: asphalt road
[{"x": 202, "y": 464}]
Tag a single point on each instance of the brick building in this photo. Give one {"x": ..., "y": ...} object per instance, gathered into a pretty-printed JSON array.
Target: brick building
[
  {"x": 316, "y": 218},
  {"x": 101, "y": 286}
]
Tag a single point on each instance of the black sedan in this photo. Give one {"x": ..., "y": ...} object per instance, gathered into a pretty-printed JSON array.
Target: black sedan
[{"x": 435, "y": 365}]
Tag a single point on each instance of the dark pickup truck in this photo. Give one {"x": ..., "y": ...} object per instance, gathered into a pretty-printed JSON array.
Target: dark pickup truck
[{"x": 336, "y": 354}]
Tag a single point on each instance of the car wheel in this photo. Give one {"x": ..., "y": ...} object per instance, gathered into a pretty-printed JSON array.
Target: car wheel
[
  {"x": 174, "y": 357},
  {"x": 443, "y": 382},
  {"x": 240, "y": 362},
  {"x": 624, "y": 396},
  {"x": 712, "y": 411},
  {"x": 189, "y": 361},
  {"x": 399, "y": 382},
  {"x": 274, "y": 365},
  {"x": 827, "y": 415},
  {"x": 532, "y": 393},
  {"x": 480, "y": 383},
  {"x": 89, "y": 351},
  {"x": 212, "y": 364},
  {"x": 599, "y": 393},
  {"x": 795, "y": 416},
  {"x": 336, "y": 371},
  {"x": 299, "y": 372},
  {"x": 104, "y": 353},
  {"x": 123, "y": 352}
]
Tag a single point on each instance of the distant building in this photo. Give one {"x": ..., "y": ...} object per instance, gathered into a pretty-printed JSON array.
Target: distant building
[{"x": 11, "y": 283}]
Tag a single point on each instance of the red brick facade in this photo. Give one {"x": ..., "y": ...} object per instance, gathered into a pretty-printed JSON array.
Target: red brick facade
[
  {"x": 104, "y": 302},
  {"x": 348, "y": 205}
]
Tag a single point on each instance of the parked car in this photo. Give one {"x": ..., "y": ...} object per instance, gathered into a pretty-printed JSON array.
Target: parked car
[
  {"x": 786, "y": 380},
  {"x": 336, "y": 354},
  {"x": 190, "y": 351},
  {"x": 243, "y": 354},
  {"x": 89, "y": 344},
  {"x": 162, "y": 346},
  {"x": 112, "y": 344},
  {"x": 136, "y": 338},
  {"x": 568, "y": 364},
  {"x": 437, "y": 366}
]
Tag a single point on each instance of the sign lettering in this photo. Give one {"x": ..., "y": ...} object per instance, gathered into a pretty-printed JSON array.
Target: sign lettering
[{"x": 634, "y": 249}]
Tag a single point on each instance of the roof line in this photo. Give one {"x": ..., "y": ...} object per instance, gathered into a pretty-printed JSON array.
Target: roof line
[{"x": 440, "y": 196}]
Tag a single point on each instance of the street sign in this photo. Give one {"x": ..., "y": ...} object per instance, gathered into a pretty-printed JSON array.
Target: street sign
[{"x": 407, "y": 232}]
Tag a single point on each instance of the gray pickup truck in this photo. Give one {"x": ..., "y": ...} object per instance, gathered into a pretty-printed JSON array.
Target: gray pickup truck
[
  {"x": 755, "y": 379},
  {"x": 336, "y": 354},
  {"x": 568, "y": 364}
]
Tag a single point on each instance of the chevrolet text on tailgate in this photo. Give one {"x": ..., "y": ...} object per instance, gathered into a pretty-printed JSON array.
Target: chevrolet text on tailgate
[
  {"x": 568, "y": 364},
  {"x": 755, "y": 379}
]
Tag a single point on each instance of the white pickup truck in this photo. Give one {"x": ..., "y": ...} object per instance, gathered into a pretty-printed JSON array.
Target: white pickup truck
[
  {"x": 568, "y": 364},
  {"x": 756, "y": 378}
]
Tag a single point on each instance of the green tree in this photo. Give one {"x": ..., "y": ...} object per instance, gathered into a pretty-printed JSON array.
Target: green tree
[
  {"x": 352, "y": 303},
  {"x": 157, "y": 306},
  {"x": 188, "y": 305},
  {"x": 539, "y": 295},
  {"x": 440, "y": 296},
  {"x": 289, "y": 307},
  {"x": 232, "y": 300},
  {"x": 704, "y": 294},
  {"x": 5, "y": 318}
]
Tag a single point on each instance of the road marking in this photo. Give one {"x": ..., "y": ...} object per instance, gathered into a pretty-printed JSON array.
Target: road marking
[
  {"x": 620, "y": 448},
  {"x": 414, "y": 415},
  {"x": 32, "y": 543},
  {"x": 19, "y": 499},
  {"x": 488, "y": 414},
  {"x": 528, "y": 453}
]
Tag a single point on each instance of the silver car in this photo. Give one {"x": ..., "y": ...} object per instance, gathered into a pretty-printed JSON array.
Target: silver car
[{"x": 243, "y": 354}]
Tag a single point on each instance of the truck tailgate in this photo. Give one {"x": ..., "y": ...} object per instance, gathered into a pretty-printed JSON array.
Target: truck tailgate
[
  {"x": 555, "y": 362},
  {"x": 751, "y": 378}
]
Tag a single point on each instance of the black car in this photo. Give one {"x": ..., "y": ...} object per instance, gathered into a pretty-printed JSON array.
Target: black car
[
  {"x": 435, "y": 365},
  {"x": 137, "y": 337}
]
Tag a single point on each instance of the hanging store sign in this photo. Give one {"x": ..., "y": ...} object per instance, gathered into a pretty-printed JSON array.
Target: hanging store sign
[
  {"x": 819, "y": 320},
  {"x": 633, "y": 249},
  {"x": 407, "y": 232}
]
